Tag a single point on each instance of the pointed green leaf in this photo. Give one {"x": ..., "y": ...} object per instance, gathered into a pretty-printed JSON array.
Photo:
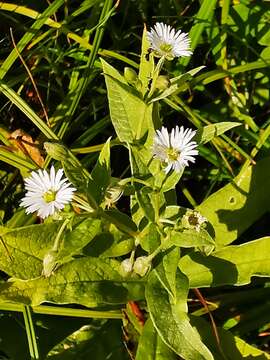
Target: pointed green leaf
[
  {"x": 167, "y": 269},
  {"x": 207, "y": 133},
  {"x": 101, "y": 175},
  {"x": 131, "y": 117},
  {"x": 146, "y": 64},
  {"x": 171, "y": 321},
  {"x": 82, "y": 233}
]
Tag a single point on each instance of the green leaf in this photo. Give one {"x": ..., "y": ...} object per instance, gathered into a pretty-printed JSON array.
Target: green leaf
[
  {"x": 76, "y": 174},
  {"x": 166, "y": 271},
  {"x": 87, "y": 281},
  {"x": 207, "y": 133},
  {"x": 27, "y": 110},
  {"x": 101, "y": 175},
  {"x": 151, "y": 240},
  {"x": 190, "y": 238},
  {"x": 112, "y": 243},
  {"x": 178, "y": 84},
  {"x": 131, "y": 117},
  {"x": 122, "y": 221},
  {"x": 25, "y": 249},
  {"x": 144, "y": 201},
  {"x": 231, "y": 347},
  {"x": 81, "y": 234},
  {"x": 170, "y": 318},
  {"x": 236, "y": 206},
  {"x": 201, "y": 20},
  {"x": 95, "y": 339},
  {"x": 234, "y": 265},
  {"x": 151, "y": 346},
  {"x": 146, "y": 64}
]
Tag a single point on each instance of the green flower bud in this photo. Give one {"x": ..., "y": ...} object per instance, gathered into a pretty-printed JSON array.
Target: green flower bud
[
  {"x": 113, "y": 193},
  {"x": 49, "y": 263},
  {"x": 130, "y": 75},
  {"x": 56, "y": 150},
  {"x": 163, "y": 82},
  {"x": 126, "y": 267},
  {"x": 141, "y": 265}
]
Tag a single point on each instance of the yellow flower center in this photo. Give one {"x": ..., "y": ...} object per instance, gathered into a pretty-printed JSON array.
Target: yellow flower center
[
  {"x": 173, "y": 154},
  {"x": 49, "y": 196},
  {"x": 166, "y": 48}
]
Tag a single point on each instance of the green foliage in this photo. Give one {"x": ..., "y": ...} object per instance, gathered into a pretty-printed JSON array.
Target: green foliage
[{"x": 129, "y": 246}]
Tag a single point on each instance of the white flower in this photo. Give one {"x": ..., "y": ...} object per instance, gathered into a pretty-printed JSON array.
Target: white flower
[
  {"x": 46, "y": 192},
  {"x": 165, "y": 41},
  {"x": 175, "y": 149}
]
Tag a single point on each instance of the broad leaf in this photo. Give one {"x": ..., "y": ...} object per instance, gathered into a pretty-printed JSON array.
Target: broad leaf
[
  {"x": 231, "y": 347},
  {"x": 86, "y": 281},
  {"x": 151, "y": 346},
  {"x": 190, "y": 238},
  {"x": 170, "y": 318},
  {"x": 234, "y": 265},
  {"x": 236, "y": 206},
  {"x": 131, "y": 117},
  {"x": 22, "y": 249}
]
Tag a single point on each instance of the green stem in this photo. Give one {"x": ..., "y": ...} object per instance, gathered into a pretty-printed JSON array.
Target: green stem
[
  {"x": 63, "y": 311},
  {"x": 155, "y": 76},
  {"x": 56, "y": 244},
  {"x": 30, "y": 332}
]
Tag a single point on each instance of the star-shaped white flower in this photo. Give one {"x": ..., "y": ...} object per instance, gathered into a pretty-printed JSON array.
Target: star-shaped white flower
[
  {"x": 175, "y": 150},
  {"x": 166, "y": 41},
  {"x": 46, "y": 193}
]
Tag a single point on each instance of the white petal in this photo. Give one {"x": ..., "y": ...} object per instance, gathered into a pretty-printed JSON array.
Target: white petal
[{"x": 38, "y": 184}]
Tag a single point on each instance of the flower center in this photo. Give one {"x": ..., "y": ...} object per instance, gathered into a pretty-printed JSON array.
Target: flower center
[
  {"x": 166, "y": 48},
  {"x": 193, "y": 220},
  {"x": 49, "y": 196},
  {"x": 173, "y": 154}
]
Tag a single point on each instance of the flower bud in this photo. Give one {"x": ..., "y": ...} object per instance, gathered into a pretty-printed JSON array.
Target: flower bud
[
  {"x": 126, "y": 267},
  {"x": 141, "y": 265},
  {"x": 163, "y": 82},
  {"x": 56, "y": 150},
  {"x": 49, "y": 263},
  {"x": 130, "y": 75},
  {"x": 113, "y": 193}
]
